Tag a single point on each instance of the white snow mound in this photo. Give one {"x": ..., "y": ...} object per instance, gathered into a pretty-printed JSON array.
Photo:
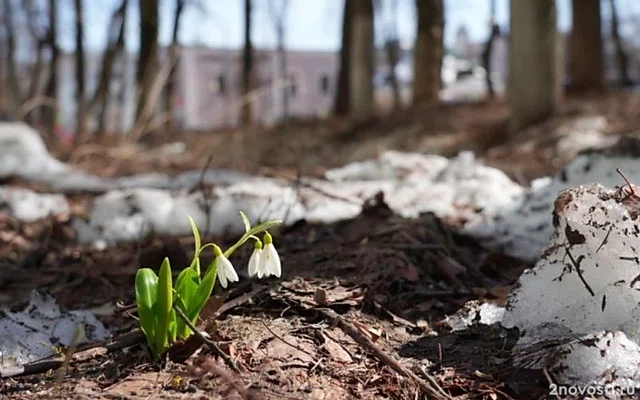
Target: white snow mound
[{"x": 586, "y": 282}]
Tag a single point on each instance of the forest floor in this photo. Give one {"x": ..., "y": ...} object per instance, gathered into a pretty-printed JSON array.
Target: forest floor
[{"x": 358, "y": 313}]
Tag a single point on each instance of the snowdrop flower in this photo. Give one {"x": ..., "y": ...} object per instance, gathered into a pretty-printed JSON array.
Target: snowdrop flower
[
  {"x": 269, "y": 261},
  {"x": 254, "y": 261},
  {"x": 225, "y": 268}
]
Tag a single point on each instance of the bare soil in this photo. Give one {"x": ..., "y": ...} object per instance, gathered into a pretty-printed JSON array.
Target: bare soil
[{"x": 358, "y": 312}]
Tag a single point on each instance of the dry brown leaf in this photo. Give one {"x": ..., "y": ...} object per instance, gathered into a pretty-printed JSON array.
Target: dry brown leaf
[{"x": 335, "y": 350}]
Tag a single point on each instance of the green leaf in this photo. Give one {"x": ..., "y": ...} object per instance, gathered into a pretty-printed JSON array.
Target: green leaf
[
  {"x": 245, "y": 219},
  {"x": 196, "y": 234},
  {"x": 251, "y": 232},
  {"x": 146, "y": 295},
  {"x": 173, "y": 326},
  {"x": 182, "y": 330},
  {"x": 204, "y": 291},
  {"x": 192, "y": 272},
  {"x": 185, "y": 293},
  {"x": 164, "y": 305}
]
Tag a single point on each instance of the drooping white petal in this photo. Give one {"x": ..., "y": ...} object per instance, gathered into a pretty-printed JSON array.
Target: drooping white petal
[
  {"x": 254, "y": 261},
  {"x": 262, "y": 264},
  {"x": 272, "y": 263},
  {"x": 226, "y": 272},
  {"x": 222, "y": 277}
]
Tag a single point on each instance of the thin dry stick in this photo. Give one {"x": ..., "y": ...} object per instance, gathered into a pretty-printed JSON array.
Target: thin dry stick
[
  {"x": 286, "y": 342},
  {"x": 205, "y": 195},
  {"x": 35, "y": 102},
  {"x": 431, "y": 388},
  {"x": 212, "y": 345},
  {"x": 152, "y": 99},
  {"x": 247, "y": 394}
]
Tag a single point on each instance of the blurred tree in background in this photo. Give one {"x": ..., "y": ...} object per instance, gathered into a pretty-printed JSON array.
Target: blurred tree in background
[
  {"x": 532, "y": 54},
  {"x": 527, "y": 53},
  {"x": 586, "y": 66}
]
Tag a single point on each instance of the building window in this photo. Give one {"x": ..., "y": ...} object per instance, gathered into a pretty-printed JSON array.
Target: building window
[
  {"x": 292, "y": 85},
  {"x": 222, "y": 84},
  {"x": 324, "y": 84}
]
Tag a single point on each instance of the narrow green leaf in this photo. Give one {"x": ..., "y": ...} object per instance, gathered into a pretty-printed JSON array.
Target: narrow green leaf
[
  {"x": 182, "y": 330},
  {"x": 196, "y": 234},
  {"x": 164, "y": 305},
  {"x": 245, "y": 219},
  {"x": 173, "y": 326},
  {"x": 204, "y": 291},
  {"x": 185, "y": 293},
  {"x": 193, "y": 272},
  {"x": 146, "y": 290},
  {"x": 251, "y": 232}
]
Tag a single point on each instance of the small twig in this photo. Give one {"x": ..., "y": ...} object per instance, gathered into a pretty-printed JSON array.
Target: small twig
[
  {"x": 431, "y": 388},
  {"x": 606, "y": 239},
  {"x": 626, "y": 180},
  {"x": 238, "y": 301},
  {"x": 210, "y": 343},
  {"x": 126, "y": 340},
  {"x": 247, "y": 394},
  {"x": 205, "y": 194},
  {"x": 579, "y": 272},
  {"x": 323, "y": 192},
  {"x": 286, "y": 342},
  {"x": 64, "y": 367}
]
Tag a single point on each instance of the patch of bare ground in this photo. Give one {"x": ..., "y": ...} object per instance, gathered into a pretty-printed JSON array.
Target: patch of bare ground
[{"x": 357, "y": 315}]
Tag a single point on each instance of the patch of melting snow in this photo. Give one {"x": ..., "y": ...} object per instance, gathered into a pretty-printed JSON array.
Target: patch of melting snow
[
  {"x": 29, "y": 206},
  {"x": 583, "y": 293},
  {"x": 37, "y": 331},
  {"x": 474, "y": 312}
]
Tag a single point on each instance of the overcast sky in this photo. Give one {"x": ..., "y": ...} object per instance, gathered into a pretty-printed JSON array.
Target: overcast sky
[{"x": 311, "y": 24}]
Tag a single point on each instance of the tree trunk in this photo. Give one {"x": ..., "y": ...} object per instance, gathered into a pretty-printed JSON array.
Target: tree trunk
[
  {"x": 428, "y": 51},
  {"x": 393, "y": 49},
  {"x": 147, "y": 68},
  {"x": 621, "y": 55},
  {"x": 586, "y": 57},
  {"x": 282, "y": 61},
  {"x": 247, "y": 66},
  {"x": 488, "y": 50},
  {"x": 361, "y": 68},
  {"x": 171, "y": 81},
  {"x": 51, "y": 90},
  {"x": 532, "y": 51},
  {"x": 341, "y": 102},
  {"x": 80, "y": 74},
  {"x": 15, "y": 93},
  {"x": 114, "y": 44}
]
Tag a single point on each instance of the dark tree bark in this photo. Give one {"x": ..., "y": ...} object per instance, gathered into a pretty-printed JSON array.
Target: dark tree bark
[
  {"x": 361, "y": 65},
  {"x": 586, "y": 64},
  {"x": 488, "y": 50},
  {"x": 341, "y": 103},
  {"x": 80, "y": 73},
  {"x": 175, "y": 49},
  {"x": 15, "y": 94},
  {"x": 532, "y": 79},
  {"x": 428, "y": 51},
  {"x": 115, "y": 46},
  {"x": 621, "y": 54},
  {"x": 51, "y": 90},
  {"x": 147, "y": 59},
  {"x": 392, "y": 50},
  {"x": 42, "y": 40},
  {"x": 247, "y": 65}
]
